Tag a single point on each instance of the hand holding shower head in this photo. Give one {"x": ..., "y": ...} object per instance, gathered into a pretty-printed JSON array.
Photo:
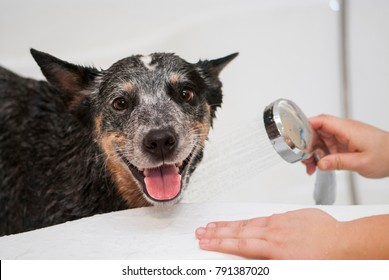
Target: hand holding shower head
[{"x": 294, "y": 140}]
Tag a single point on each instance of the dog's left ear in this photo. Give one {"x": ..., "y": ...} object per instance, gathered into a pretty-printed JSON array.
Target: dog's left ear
[
  {"x": 210, "y": 69},
  {"x": 73, "y": 80}
]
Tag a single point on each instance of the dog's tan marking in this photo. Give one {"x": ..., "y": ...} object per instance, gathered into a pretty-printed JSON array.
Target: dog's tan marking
[
  {"x": 128, "y": 87},
  {"x": 175, "y": 78},
  {"x": 203, "y": 126},
  {"x": 98, "y": 125},
  {"x": 124, "y": 181}
]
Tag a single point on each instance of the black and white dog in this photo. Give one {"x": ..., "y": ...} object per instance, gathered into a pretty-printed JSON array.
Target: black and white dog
[{"x": 92, "y": 141}]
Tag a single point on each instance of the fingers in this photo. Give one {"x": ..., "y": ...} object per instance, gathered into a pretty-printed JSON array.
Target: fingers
[
  {"x": 346, "y": 161},
  {"x": 333, "y": 127},
  {"x": 310, "y": 165},
  {"x": 228, "y": 232},
  {"x": 328, "y": 123},
  {"x": 247, "y": 248},
  {"x": 257, "y": 222},
  {"x": 243, "y": 238}
]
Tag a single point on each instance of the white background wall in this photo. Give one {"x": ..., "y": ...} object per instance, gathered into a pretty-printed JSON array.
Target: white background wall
[
  {"x": 287, "y": 49},
  {"x": 369, "y": 79}
]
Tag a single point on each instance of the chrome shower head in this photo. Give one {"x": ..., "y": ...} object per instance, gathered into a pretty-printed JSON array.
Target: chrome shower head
[
  {"x": 294, "y": 140},
  {"x": 291, "y": 133}
]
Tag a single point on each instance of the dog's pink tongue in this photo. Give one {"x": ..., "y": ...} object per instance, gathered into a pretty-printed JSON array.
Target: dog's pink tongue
[{"x": 163, "y": 183}]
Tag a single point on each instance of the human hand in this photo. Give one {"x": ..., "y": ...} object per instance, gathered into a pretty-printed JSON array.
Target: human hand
[
  {"x": 300, "y": 234},
  {"x": 352, "y": 145}
]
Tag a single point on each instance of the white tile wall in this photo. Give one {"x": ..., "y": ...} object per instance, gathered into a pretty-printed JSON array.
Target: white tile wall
[{"x": 369, "y": 79}]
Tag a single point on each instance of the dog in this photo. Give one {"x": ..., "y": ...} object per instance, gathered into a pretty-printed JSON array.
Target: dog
[{"x": 90, "y": 141}]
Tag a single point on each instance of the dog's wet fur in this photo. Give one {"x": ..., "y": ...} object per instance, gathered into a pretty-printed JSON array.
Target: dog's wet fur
[{"x": 92, "y": 141}]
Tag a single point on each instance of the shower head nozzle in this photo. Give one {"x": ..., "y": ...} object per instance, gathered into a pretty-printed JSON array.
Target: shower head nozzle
[{"x": 291, "y": 133}]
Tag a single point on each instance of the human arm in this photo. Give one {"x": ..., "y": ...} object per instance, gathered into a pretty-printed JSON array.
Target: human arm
[
  {"x": 353, "y": 145},
  {"x": 300, "y": 234}
]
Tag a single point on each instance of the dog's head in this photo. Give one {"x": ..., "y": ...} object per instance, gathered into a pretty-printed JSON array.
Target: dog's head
[{"x": 151, "y": 116}]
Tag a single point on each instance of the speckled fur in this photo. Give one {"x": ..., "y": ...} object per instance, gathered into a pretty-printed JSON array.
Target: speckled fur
[{"x": 56, "y": 137}]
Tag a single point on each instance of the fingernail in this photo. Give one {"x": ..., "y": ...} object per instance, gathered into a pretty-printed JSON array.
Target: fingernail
[
  {"x": 200, "y": 231},
  {"x": 211, "y": 225}
]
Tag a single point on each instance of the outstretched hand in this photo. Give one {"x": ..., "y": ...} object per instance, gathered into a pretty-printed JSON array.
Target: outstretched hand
[{"x": 301, "y": 234}]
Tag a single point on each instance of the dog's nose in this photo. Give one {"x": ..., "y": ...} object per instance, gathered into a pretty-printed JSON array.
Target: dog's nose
[{"x": 160, "y": 143}]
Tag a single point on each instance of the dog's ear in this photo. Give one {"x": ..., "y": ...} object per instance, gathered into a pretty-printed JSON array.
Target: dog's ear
[
  {"x": 210, "y": 69},
  {"x": 75, "y": 81}
]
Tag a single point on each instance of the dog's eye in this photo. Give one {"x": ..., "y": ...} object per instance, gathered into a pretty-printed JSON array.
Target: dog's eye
[
  {"x": 186, "y": 94},
  {"x": 120, "y": 104}
]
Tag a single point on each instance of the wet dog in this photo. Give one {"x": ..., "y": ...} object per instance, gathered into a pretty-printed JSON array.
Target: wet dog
[{"x": 92, "y": 141}]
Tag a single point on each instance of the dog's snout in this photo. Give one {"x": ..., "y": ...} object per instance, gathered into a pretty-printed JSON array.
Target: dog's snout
[{"x": 160, "y": 143}]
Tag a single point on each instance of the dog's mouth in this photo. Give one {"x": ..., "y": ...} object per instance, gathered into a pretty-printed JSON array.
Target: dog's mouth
[{"x": 161, "y": 183}]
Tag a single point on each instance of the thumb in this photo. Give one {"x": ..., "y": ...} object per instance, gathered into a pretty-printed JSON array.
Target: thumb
[{"x": 342, "y": 161}]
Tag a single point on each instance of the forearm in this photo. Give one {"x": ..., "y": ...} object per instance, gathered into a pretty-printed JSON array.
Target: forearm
[
  {"x": 379, "y": 157},
  {"x": 386, "y": 153},
  {"x": 365, "y": 238}
]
